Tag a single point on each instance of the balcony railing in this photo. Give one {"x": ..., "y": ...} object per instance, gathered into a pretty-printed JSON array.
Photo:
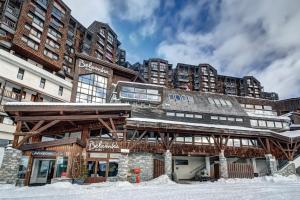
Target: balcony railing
[
  {"x": 13, "y": 10},
  {"x": 11, "y": 24},
  {"x": 10, "y": 94}
]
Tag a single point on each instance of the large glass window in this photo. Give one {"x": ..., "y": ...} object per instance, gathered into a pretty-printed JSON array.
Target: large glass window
[
  {"x": 91, "y": 88},
  {"x": 140, "y": 94}
]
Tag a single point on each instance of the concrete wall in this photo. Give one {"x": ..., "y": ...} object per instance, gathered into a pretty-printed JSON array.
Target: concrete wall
[
  {"x": 187, "y": 171},
  {"x": 10, "y": 65},
  {"x": 10, "y": 166}
]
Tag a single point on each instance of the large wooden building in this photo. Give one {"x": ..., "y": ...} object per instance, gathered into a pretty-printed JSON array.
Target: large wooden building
[{"x": 186, "y": 135}]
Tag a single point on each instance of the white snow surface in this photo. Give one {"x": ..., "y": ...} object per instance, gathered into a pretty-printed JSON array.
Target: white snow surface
[
  {"x": 161, "y": 188},
  {"x": 291, "y": 134}
]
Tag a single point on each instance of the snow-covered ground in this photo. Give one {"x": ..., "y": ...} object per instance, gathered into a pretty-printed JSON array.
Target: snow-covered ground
[{"x": 273, "y": 188}]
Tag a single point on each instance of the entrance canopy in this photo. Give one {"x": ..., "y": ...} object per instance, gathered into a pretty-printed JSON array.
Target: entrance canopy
[{"x": 43, "y": 118}]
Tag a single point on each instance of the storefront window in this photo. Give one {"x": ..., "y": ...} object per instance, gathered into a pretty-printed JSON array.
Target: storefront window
[
  {"x": 101, "y": 168},
  {"x": 23, "y": 167},
  {"x": 61, "y": 166},
  {"x": 113, "y": 168},
  {"x": 91, "y": 168}
]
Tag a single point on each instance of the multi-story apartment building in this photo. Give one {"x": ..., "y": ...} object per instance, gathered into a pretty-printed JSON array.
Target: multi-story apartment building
[
  {"x": 205, "y": 78},
  {"x": 156, "y": 71},
  {"x": 23, "y": 81}
]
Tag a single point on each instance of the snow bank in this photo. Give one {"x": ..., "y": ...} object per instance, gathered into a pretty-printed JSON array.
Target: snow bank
[
  {"x": 163, "y": 179},
  {"x": 65, "y": 185},
  {"x": 270, "y": 179}
]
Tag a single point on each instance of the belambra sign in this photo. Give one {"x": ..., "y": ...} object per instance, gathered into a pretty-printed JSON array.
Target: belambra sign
[
  {"x": 90, "y": 67},
  {"x": 103, "y": 146}
]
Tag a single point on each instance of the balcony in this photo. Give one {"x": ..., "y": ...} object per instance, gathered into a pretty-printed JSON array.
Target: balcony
[
  {"x": 8, "y": 25},
  {"x": 12, "y": 12},
  {"x": 11, "y": 95},
  {"x": 43, "y": 3}
]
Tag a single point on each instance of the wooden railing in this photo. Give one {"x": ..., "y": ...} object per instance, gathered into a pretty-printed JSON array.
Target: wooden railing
[{"x": 10, "y": 94}]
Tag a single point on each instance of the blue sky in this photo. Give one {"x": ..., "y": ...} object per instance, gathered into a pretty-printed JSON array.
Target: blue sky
[{"x": 249, "y": 37}]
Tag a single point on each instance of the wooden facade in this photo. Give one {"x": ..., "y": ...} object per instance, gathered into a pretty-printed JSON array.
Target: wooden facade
[{"x": 37, "y": 121}]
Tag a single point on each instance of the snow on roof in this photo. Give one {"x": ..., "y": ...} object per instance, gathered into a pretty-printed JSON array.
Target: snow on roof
[
  {"x": 291, "y": 134},
  {"x": 268, "y": 116},
  {"x": 241, "y": 128},
  {"x": 63, "y": 104}
]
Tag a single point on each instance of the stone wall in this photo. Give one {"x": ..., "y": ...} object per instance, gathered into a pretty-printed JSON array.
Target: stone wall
[
  {"x": 145, "y": 162},
  {"x": 288, "y": 170},
  {"x": 10, "y": 166}
]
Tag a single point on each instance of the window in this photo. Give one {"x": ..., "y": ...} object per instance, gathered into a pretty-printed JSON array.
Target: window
[
  {"x": 189, "y": 115},
  {"x": 30, "y": 43},
  {"x": 92, "y": 88},
  {"x": 214, "y": 117},
  {"x": 20, "y": 74},
  {"x": 262, "y": 123},
  {"x": 249, "y": 106},
  {"x": 253, "y": 122},
  {"x": 61, "y": 166},
  {"x": 170, "y": 114},
  {"x": 239, "y": 119},
  {"x": 230, "y": 119},
  {"x": 110, "y": 38},
  {"x": 36, "y": 22},
  {"x": 140, "y": 94},
  {"x": 270, "y": 124},
  {"x": 53, "y": 33},
  {"x": 278, "y": 124},
  {"x": 50, "y": 54},
  {"x": 179, "y": 115},
  {"x": 42, "y": 83},
  {"x": 223, "y": 118},
  {"x": 60, "y": 91},
  {"x": 219, "y": 102},
  {"x": 181, "y": 162},
  {"x": 52, "y": 43},
  {"x": 268, "y": 107},
  {"x": 33, "y": 32},
  {"x": 198, "y": 116}
]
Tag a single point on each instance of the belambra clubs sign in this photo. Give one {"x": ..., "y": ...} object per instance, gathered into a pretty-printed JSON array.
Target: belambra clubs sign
[{"x": 103, "y": 146}]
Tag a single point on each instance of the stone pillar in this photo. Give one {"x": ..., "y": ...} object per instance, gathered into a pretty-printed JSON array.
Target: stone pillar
[
  {"x": 123, "y": 167},
  {"x": 207, "y": 165},
  {"x": 253, "y": 161},
  {"x": 10, "y": 165},
  {"x": 223, "y": 165},
  {"x": 168, "y": 163},
  {"x": 271, "y": 164}
]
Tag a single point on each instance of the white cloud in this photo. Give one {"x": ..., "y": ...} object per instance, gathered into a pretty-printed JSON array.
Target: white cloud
[
  {"x": 249, "y": 34},
  {"x": 89, "y": 11},
  {"x": 136, "y": 10}
]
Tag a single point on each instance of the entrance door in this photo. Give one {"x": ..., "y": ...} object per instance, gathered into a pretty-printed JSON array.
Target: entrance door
[
  {"x": 159, "y": 168},
  {"x": 43, "y": 171}
]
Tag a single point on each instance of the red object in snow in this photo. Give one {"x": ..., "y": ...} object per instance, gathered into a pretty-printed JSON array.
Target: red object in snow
[
  {"x": 137, "y": 179},
  {"x": 63, "y": 174},
  {"x": 136, "y": 170}
]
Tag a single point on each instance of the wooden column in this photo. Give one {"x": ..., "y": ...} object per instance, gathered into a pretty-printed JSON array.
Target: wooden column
[
  {"x": 16, "y": 137},
  {"x": 85, "y": 134}
]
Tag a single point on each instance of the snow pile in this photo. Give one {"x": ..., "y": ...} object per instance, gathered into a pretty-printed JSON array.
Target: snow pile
[
  {"x": 64, "y": 185},
  {"x": 270, "y": 179},
  {"x": 163, "y": 179}
]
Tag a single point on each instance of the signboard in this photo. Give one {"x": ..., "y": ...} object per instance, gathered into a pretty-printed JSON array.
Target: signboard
[
  {"x": 45, "y": 153},
  {"x": 103, "y": 146},
  {"x": 89, "y": 66}
]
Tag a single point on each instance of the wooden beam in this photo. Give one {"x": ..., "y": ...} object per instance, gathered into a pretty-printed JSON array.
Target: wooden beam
[
  {"x": 68, "y": 117},
  {"x": 277, "y": 144},
  {"x": 262, "y": 144},
  {"x": 16, "y": 137},
  {"x": 106, "y": 125},
  {"x": 43, "y": 128},
  {"x": 37, "y": 125},
  {"x": 112, "y": 124},
  {"x": 135, "y": 143},
  {"x": 27, "y": 126}
]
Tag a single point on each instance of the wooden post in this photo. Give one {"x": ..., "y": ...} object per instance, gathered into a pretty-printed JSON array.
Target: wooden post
[{"x": 16, "y": 137}]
